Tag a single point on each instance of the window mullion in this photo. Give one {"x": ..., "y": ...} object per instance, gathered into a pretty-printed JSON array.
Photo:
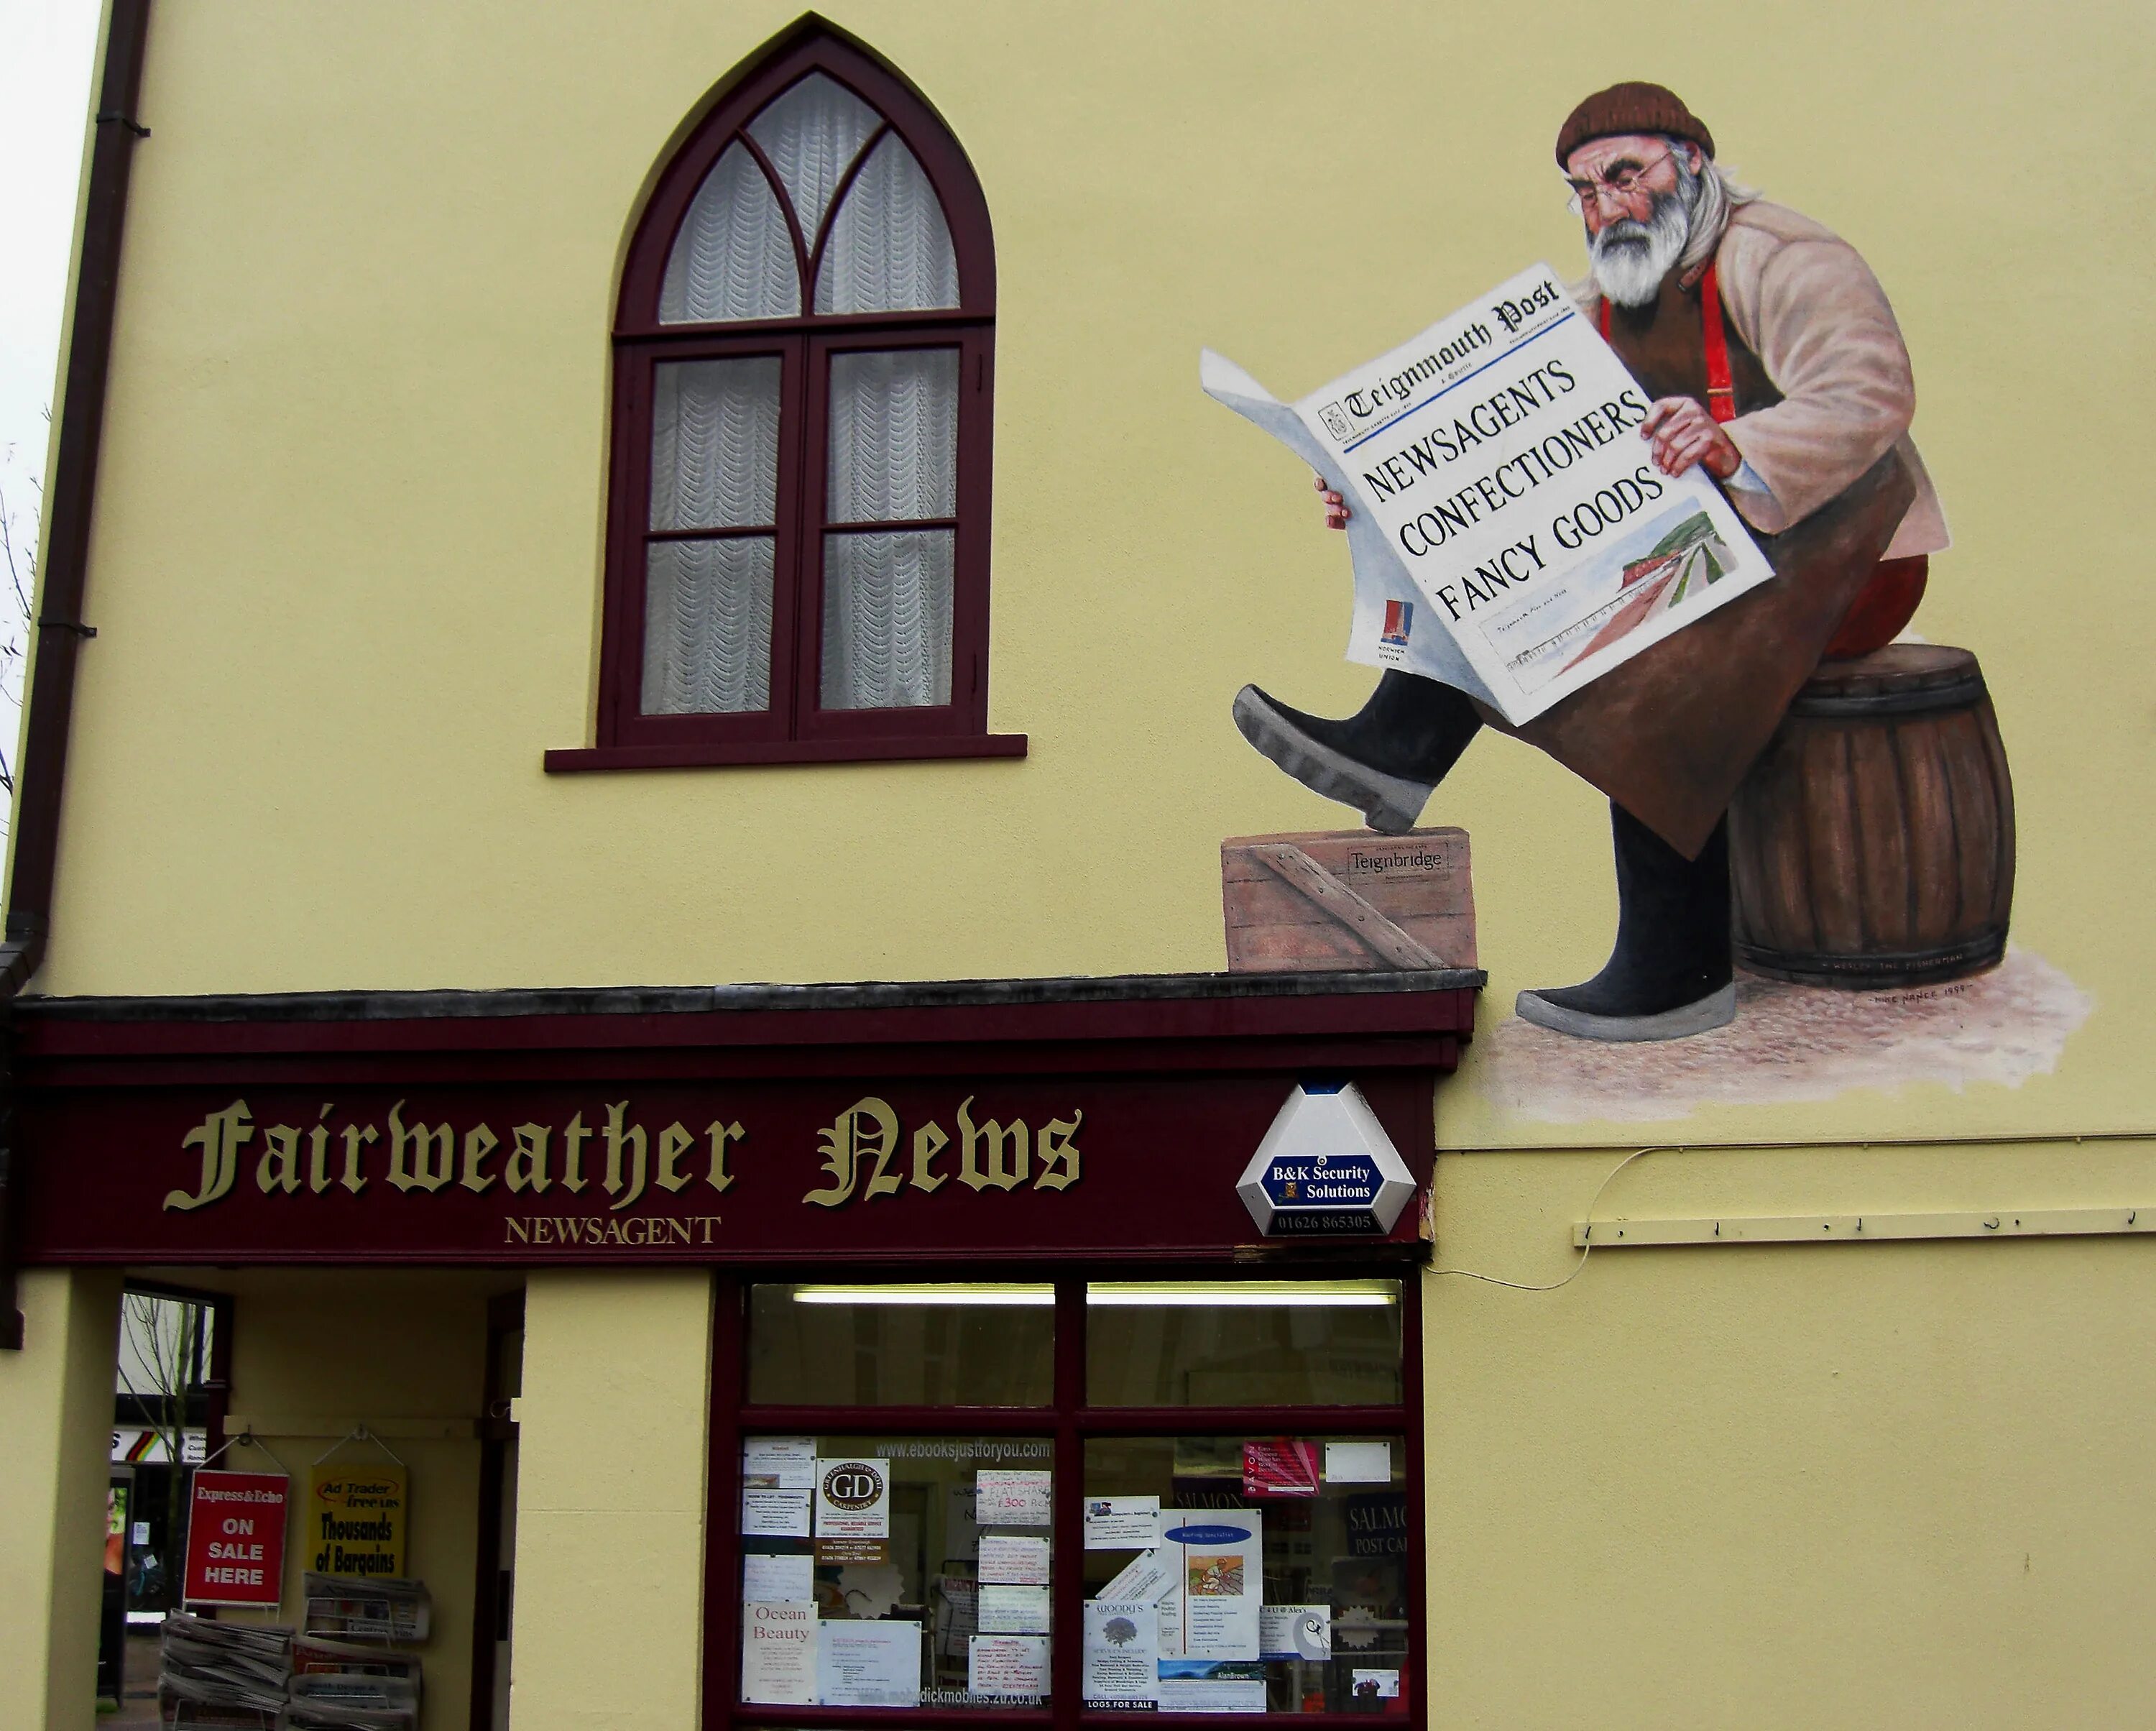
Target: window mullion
[
  {"x": 1067, "y": 1605},
  {"x": 813, "y": 470}
]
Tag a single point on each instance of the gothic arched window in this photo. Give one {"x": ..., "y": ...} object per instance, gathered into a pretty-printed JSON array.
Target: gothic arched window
[{"x": 798, "y": 539}]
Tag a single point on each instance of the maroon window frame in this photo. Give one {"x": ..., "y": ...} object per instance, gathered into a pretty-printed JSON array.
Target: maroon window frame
[
  {"x": 795, "y": 728},
  {"x": 1071, "y": 1421}
]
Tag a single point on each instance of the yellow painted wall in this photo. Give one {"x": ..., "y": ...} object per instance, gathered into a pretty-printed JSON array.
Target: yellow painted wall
[
  {"x": 347, "y": 553},
  {"x": 612, "y": 1428},
  {"x": 374, "y": 1348},
  {"x": 55, "y": 1439},
  {"x": 1859, "y": 1484}
]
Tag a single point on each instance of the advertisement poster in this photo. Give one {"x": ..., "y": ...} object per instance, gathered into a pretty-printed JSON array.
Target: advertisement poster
[
  {"x": 1517, "y": 542},
  {"x": 1117, "y": 1523},
  {"x": 1008, "y": 1665},
  {"x": 355, "y": 1520},
  {"x": 1011, "y": 1497},
  {"x": 1123, "y": 1647},
  {"x": 1218, "y": 1560},
  {"x": 1281, "y": 1467},
  {"x": 236, "y": 1539},
  {"x": 1211, "y": 1686},
  {"x": 1295, "y": 1631},
  {"x": 853, "y": 1511},
  {"x": 778, "y": 1653},
  {"x": 864, "y": 1664}
]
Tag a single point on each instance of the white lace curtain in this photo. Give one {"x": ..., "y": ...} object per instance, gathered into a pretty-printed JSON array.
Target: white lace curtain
[
  {"x": 894, "y": 458},
  {"x": 893, "y": 418},
  {"x": 707, "y": 602}
]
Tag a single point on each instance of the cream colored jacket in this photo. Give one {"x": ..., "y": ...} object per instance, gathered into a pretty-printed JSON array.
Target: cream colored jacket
[{"x": 1816, "y": 316}]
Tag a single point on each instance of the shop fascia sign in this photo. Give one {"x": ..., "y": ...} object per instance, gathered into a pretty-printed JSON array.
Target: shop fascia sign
[{"x": 1325, "y": 1168}]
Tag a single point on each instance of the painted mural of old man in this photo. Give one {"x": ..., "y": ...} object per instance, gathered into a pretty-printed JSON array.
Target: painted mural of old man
[{"x": 1773, "y": 360}]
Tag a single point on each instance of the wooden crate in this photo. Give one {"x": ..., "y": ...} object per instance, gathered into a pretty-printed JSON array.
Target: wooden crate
[{"x": 1348, "y": 899}]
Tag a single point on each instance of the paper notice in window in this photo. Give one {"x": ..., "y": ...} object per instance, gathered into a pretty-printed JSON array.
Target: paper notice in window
[
  {"x": 1143, "y": 1578},
  {"x": 957, "y": 1614},
  {"x": 1116, "y": 1524},
  {"x": 853, "y": 1511},
  {"x": 786, "y": 1461},
  {"x": 1375, "y": 1684},
  {"x": 1011, "y": 1499},
  {"x": 1008, "y": 1665},
  {"x": 1510, "y": 532},
  {"x": 790, "y": 1579},
  {"x": 1295, "y": 1631},
  {"x": 1358, "y": 1463},
  {"x": 1013, "y": 1560},
  {"x": 853, "y": 1498},
  {"x": 1218, "y": 1555},
  {"x": 865, "y": 1664},
  {"x": 778, "y": 1654},
  {"x": 1211, "y": 1686},
  {"x": 771, "y": 1514},
  {"x": 1122, "y": 1644},
  {"x": 1281, "y": 1466},
  {"x": 1013, "y": 1610}
]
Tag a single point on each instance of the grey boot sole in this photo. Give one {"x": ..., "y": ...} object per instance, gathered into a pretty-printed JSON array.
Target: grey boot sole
[
  {"x": 1717, "y": 1009},
  {"x": 1389, "y": 804}
]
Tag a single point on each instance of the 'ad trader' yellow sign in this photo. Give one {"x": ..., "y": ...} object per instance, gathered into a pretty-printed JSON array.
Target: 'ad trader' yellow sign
[{"x": 356, "y": 1521}]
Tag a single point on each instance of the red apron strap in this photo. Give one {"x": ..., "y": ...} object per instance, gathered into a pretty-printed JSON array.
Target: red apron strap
[
  {"x": 1602, "y": 316},
  {"x": 1721, "y": 395}
]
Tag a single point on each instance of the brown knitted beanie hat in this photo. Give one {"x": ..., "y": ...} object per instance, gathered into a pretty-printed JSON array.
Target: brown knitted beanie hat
[{"x": 1631, "y": 107}]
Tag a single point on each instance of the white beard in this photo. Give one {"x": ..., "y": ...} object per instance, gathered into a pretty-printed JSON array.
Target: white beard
[{"x": 1630, "y": 259}]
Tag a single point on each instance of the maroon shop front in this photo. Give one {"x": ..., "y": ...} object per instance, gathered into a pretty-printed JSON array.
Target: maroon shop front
[{"x": 1035, "y": 1400}]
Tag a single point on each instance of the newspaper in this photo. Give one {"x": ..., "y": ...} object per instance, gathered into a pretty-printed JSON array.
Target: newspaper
[
  {"x": 1510, "y": 532},
  {"x": 221, "y": 1671},
  {"x": 387, "y": 1609}
]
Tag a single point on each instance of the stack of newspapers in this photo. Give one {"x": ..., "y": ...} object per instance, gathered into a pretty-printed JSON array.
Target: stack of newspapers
[
  {"x": 346, "y": 1675},
  {"x": 346, "y": 1683},
  {"x": 221, "y": 1674}
]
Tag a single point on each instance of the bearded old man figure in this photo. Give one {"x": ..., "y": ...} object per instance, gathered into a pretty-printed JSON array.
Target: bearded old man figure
[{"x": 1771, "y": 359}]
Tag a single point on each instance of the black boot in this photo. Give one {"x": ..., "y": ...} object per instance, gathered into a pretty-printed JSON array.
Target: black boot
[
  {"x": 1383, "y": 760},
  {"x": 1669, "y": 974}
]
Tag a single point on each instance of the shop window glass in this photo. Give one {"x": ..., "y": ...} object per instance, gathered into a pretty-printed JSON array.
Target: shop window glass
[
  {"x": 1243, "y": 1344},
  {"x": 1040, "y": 1507},
  {"x": 901, "y": 1345},
  {"x": 896, "y": 1571},
  {"x": 1286, "y": 1560}
]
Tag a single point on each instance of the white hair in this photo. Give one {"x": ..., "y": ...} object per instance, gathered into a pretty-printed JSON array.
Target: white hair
[
  {"x": 1628, "y": 258},
  {"x": 1711, "y": 192}
]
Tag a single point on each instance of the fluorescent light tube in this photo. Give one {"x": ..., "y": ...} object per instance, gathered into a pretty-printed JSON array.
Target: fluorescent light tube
[{"x": 1188, "y": 1295}]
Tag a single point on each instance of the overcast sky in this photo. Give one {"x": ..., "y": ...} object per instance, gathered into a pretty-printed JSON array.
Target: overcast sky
[{"x": 45, "y": 52}]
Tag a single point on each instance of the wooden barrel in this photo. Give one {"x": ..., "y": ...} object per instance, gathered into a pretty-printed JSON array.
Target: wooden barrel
[{"x": 1872, "y": 845}]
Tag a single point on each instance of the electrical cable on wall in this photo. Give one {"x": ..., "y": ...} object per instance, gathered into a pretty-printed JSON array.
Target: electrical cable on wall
[{"x": 1585, "y": 1250}]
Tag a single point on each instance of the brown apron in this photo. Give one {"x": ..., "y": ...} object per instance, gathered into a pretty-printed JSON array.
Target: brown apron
[{"x": 1670, "y": 733}]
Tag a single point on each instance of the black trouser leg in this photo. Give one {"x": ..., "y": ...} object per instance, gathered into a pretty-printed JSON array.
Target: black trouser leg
[{"x": 1673, "y": 943}]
